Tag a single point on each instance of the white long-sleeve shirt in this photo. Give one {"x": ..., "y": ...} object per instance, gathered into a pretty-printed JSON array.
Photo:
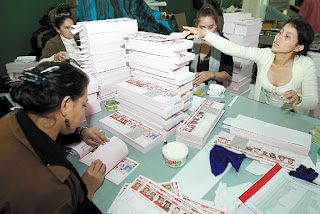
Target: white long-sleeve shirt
[{"x": 304, "y": 77}]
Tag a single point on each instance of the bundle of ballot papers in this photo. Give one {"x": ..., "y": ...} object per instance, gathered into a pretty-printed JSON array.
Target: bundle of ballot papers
[
  {"x": 258, "y": 151},
  {"x": 20, "y": 64},
  {"x": 242, "y": 29},
  {"x": 138, "y": 135},
  {"x": 113, "y": 154},
  {"x": 102, "y": 51},
  {"x": 162, "y": 60},
  {"x": 146, "y": 196},
  {"x": 154, "y": 106},
  {"x": 269, "y": 134},
  {"x": 195, "y": 130}
]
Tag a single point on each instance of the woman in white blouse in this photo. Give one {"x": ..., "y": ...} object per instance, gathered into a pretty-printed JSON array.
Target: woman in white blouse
[
  {"x": 285, "y": 74},
  {"x": 60, "y": 47}
]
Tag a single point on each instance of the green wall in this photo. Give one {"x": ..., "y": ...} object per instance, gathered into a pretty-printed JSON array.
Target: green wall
[
  {"x": 18, "y": 20},
  {"x": 180, "y": 6}
]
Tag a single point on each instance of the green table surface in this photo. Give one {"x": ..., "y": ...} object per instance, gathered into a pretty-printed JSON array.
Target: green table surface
[{"x": 152, "y": 164}]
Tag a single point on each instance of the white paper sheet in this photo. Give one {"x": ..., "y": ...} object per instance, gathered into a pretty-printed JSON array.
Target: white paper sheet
[
  {"x": 196, "y": 102},
  {"x": 196, "y": 178},
  {"x": 257, "y": 168}
]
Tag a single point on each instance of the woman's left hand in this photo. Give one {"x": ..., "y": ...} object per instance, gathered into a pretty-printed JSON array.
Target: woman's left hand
[
  {"x": 94, "y": 136},
  {"x": 291, "y": 96},
  {"x": 202, "y": 77}
]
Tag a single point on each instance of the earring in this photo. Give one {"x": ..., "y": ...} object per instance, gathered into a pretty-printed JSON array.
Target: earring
[{"x": 67, "y": 123}]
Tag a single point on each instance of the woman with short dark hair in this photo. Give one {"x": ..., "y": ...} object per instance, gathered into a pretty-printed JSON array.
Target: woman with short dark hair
[
  {"x": 285, "y": 74},
  {"x": 36, "y": 175}
]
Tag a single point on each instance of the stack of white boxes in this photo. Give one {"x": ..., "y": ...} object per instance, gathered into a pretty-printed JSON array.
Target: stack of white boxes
[
  {"x": 316, "y": 58},
  {"x": 103, "y": 56},
  {"x": 155, "y": 59},
  {"x": 244, "y": 30}
]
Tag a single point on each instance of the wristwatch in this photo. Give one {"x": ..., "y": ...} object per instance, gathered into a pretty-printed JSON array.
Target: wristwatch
[
  {"x": 214, "y": 75},
  {"x": 80, "y": 129},
  {"x": 300, "y": 99}
]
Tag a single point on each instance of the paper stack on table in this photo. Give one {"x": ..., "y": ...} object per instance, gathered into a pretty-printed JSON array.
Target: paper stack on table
[
  {"x": 102, "y": 51},
  {"x": 244, "y": 30},
  {"x": 154, "y": 106},
  {"x": 19, "y": 65},
  {"x": 138, "y": 135},
  {"x": 146, "y": 196},
  {"x": 258, "y": 151},
  {"x": 196, "y": 129},
  {"x": 269, "y": 134},
  {"x": 316, "y": 58},
  {"x": 162, "y": 60}
]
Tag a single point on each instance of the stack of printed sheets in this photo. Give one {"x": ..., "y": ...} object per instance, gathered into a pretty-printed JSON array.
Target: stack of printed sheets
[
  {"x": 154, "y": 106},
  {"x": 138, "y": 135},
  {"x": 269, "y": 134},
  {"x": 162, "y": 60},
  {"x": 102, "y": 51},
  {"x": 196, "y": 129},
  {"x": 146, "y": 196},
  {"x": 244, "y": 30}
]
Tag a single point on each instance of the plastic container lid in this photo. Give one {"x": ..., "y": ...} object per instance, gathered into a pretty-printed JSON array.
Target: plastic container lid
[{"x": 175, "y": 151}]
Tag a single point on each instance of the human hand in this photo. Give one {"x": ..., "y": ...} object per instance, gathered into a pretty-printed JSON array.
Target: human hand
[
  {"x": 291, "y": 96},
  {"x": 193, "y": 33},
  {"x": 202, "y": 76},
  {"x": 94, "y": 136},
  {"x": 93, "y": 177},
  {"x": 61, "y": 56}
]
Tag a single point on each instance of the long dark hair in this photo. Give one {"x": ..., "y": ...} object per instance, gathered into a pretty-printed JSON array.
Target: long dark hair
[
  {"x": 305, "y": 33},
  {"x": 44, "y": 93},
  {"x": 208, "y": 10}
]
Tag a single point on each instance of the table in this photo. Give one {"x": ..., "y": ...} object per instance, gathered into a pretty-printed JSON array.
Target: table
[{"x": 152, "y": 164}]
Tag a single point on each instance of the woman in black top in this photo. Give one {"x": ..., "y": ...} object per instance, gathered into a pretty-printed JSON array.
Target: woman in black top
[{"x": 209, "y": 63}]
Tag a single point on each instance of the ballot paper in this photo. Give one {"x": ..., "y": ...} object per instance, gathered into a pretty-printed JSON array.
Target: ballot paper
[
  {"x": 269, "y": 134},
  {"x": 113, "y": 154},
  {"x": 146, "y": 196},
  {"x": 258, "y": 151},
  {"x": 195, "y": 130},
  {"x": 134, "y": 110},
  {"x": 165, "y": 112},
  {"x": 138, "y": 135},
  {"x": 149, "y": 93},
  {"x": 158, "y": 41},
  {"x": 277, "y": 192}
]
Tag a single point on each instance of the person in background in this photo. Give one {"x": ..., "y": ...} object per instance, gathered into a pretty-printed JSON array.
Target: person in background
[
  {"x": 209, "y": 62},
  {"x": 285, "y": 74},
  {"x": 59, "y": 48},
  {"x": 37, "y": 176}
]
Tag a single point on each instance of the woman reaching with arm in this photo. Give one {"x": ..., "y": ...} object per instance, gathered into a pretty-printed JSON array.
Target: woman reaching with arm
[{"x": 285, "y": 74}]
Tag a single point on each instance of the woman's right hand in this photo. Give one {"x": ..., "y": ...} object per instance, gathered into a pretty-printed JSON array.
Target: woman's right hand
[
  {"x": 93, "y": 177},
  {"x": 61, "y": 56},
  {"x": 193, "y": 33}
]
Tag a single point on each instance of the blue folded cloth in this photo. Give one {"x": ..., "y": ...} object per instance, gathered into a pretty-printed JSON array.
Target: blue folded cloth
[
  {"x": 220, "y": 157},
  {"x": 304, "y": 173}
]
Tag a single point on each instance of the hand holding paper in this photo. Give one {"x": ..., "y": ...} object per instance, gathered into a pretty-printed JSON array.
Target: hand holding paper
[{"x": 94, "y": 136}]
